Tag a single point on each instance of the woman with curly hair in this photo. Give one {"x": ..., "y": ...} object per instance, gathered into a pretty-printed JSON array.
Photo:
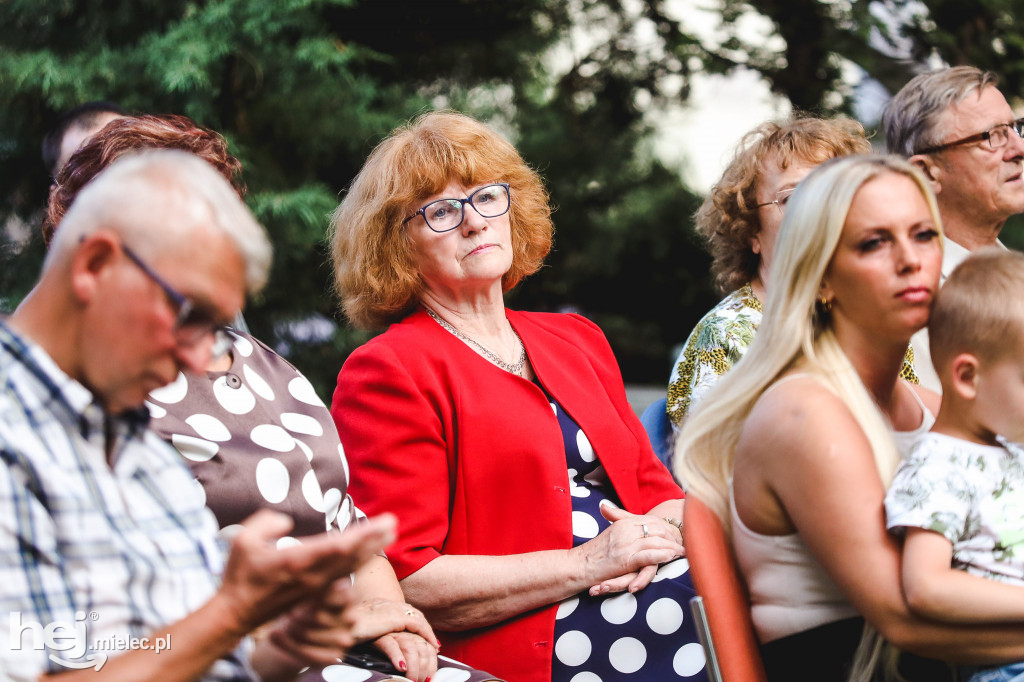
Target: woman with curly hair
[
  {"x": 539, "y": 532},
  {"x": 740, "y": 219}
]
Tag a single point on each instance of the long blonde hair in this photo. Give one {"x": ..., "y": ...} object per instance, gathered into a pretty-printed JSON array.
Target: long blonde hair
[{"x": 794, "y": 330}]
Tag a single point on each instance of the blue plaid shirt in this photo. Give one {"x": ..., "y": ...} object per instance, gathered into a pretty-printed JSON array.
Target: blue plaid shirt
[{"x": 112, "y": 550}]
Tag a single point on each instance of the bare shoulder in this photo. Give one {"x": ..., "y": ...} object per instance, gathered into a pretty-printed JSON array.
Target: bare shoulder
[
  {"x": 797, "y": 419},
  {"x": 799, "y": 454},
  {"x": 930, "y": 398}
]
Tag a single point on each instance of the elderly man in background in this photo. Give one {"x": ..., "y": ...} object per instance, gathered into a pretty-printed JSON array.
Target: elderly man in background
[
  {"x": 956, "y": 126},
  {"x": 104, "y": 536}
]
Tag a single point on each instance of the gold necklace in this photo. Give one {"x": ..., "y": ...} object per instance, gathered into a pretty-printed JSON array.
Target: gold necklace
[{"x": 515, "y": 368}]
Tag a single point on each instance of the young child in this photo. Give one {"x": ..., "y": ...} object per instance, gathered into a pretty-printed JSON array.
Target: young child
[{"x": 959, "y": 496}]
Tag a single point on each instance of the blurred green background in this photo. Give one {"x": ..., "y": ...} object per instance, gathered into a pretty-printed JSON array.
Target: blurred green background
[{"x": 303, "y": 90}]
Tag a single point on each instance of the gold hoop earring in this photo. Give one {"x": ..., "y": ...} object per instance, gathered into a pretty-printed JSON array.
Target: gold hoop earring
[{"x": 826, "y": 305}]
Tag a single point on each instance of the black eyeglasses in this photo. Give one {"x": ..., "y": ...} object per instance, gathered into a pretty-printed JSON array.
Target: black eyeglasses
[
  {"x": 780, "y": 200},
  {"x": 444, "y": 215},
  {"x": 992, "y": 139},
  {"x": 191, "y": 325}
]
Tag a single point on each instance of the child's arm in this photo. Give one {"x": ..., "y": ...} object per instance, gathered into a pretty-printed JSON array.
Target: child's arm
[{"x": 934, "y": 589}]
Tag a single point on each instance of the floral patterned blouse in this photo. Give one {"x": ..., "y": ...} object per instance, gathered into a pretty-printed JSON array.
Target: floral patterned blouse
[
  {"x": 717, "y": 343},
  {"x": 972, "y": 494}
]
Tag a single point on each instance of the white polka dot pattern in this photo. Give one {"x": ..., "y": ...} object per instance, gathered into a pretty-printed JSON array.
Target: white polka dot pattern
[
  {"x": 272, "y": 441},
  {"x": 584, "y": 525},
  {"x": 619, "y": 609},
  {"x": 586, "y": 449},
  {"x": 200, "y": 490},
  {"x": 272, "y": 437},
  {"x": 155, "y": 411},
  {"x": 272, "y": 480},
  {"x": 586, "y": 676},
  {"x": 235, "y": 400},
  {"x": 627, "y": 655},
  {"x": 306, "y": 450},
  {"x": 303, "y": 391},
  {"x": 195, "y": 449},
  {"x": 672, "y": 569},
  {"x": 287, "y": 541},
  {"x": 665, "y": 616},
  {"x": 209, "y": 427},
  {"x": 243, "y": 346},
  {"x": 344, "y": 460},
  {"x": 173, "y": 392},
  {"x": 332, "y": 502},
  {"x": 629, "y": 636},
  {"x": 689, "y": 660},
  {"x": 566, "y": 607},
  {"x": 311, "y": 491},
  {"x": 227, "y": 534},
  {"x": 573, "y": 648},
  {"x": 301, "y": 423},
  {"x": 574, "y": 489},
  {"x": 345, "y": 673},
  {"x": 258, "y": 383},
  {"x": 345, "y": 512}
]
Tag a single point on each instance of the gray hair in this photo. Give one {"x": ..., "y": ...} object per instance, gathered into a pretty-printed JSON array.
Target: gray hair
[
  {"x": 911, "y": 118},
  {"x": 156, "y": 198}
]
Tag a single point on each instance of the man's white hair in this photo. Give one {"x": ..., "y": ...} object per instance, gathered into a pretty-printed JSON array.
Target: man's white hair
[{"x": 156, "y": 198}]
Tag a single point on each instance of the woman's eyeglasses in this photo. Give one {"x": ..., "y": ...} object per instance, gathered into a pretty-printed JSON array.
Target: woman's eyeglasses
[
  {"x": 445, "y": 215},
  {"x": 780, "y": 200}
]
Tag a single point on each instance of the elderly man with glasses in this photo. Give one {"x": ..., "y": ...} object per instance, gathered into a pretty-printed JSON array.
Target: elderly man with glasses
[
  {"x": 106, "y": 546},
  {"x": 956, "y": 126}
]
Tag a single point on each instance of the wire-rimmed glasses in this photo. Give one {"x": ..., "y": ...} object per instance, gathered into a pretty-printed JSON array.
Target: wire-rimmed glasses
[
  {"x": 780, "y": 200},
  {"x": 191, "y": 324},
  {"x": 444, "y": 215},
  {"x": 992, "y": 139}
]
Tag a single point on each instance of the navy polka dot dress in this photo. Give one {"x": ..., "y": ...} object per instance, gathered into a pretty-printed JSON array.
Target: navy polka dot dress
[{"x": 649, "y": 635}]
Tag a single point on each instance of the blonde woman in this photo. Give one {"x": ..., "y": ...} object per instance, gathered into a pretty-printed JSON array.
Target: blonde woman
[{"x": 795, "y": 451}]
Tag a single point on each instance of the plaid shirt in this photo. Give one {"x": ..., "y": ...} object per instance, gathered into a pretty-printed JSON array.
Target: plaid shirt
[{"x": 113, "y": 551}]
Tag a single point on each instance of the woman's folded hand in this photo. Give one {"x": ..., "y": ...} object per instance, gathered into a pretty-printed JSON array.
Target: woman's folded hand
[
  {"x": 626, "y": 554},
  {"x": 410, "y": 653}
]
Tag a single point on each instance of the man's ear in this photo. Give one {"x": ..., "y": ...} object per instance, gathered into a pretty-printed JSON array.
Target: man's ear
[
  {"x": 91, "y": 262},
  {"x": 964, "y": 371},
  {"x": 933, "y": 171}
]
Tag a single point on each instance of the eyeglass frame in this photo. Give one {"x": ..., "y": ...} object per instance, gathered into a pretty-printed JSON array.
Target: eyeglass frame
[
  {"x": 422, "y": 210},
  {"x": 779, "y": 201},
  {"x": 221, "y": 338},
  {"x": 1016, "y": 126}
]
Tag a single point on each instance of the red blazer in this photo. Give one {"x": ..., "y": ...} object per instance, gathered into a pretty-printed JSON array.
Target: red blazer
[{"x": 471, "y": 460}]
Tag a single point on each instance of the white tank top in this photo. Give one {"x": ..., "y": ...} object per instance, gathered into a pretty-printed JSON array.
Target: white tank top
[{"x": 789, "y": 590}]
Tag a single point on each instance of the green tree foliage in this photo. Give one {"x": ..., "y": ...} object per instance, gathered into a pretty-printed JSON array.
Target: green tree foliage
[
  {"x": 889, "y": 40},
  {"x": 303, "y": 90}
]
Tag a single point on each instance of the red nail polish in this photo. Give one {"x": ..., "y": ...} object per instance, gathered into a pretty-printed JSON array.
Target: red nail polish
[{"x": 402, "y": 666}]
